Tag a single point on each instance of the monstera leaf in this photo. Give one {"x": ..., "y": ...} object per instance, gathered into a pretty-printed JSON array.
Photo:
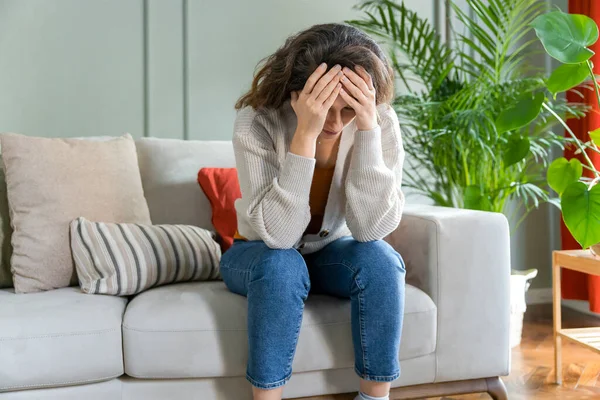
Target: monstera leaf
[
  {"x": 562, "y": 173},
  {"x": 521, "y": 114},
  {"x": 566, "y": 77},
  {"x": 517, "y": 148},
  {"x": 595, "y": 136},
  {"x": 566, "y": 37},
  {"x": 581, "y": 212}
]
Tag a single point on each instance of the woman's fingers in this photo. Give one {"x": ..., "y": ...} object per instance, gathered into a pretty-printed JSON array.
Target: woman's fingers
[
  {"x": 351, "y": 89},
  {"x": 314, "y": 78},
  {"x": 357, "y": 81},
  {"x": 324, "y": 81},
  {"x": 352, "y": 102},
  {"x": 366, "y": 76},
  {"x": 326, "y": 92},
  {"x": 334, "y": 94}
]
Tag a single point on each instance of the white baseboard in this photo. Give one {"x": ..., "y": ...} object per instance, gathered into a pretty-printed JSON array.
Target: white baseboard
[{"x": 544, "y": 296}]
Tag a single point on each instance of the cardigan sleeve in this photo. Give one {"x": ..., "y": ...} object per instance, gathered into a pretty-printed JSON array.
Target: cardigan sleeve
[
  {"x": 276, "y": 194},
  {"x": 373, "y": 186}
]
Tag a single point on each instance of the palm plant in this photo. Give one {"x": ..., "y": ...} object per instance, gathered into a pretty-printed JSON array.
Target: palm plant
[{"x": 474, "y": 128}]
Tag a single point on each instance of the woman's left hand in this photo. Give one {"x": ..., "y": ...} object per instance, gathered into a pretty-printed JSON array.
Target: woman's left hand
[{"x": 359, "y": 93}]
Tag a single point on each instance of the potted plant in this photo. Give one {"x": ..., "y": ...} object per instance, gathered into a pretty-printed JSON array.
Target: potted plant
[
  {"x": 477, "y": 118},
  {"x": 567, "y": 37}
]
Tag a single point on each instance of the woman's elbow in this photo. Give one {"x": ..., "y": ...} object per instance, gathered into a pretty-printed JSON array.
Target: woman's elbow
[
  {"x": 278, "y": 243},
  {"x": 376, "y": 229},
  {"x": 277, "y": 239}
]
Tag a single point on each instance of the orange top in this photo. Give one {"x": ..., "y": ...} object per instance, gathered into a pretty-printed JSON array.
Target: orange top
[{"x": 319, "y": 192}]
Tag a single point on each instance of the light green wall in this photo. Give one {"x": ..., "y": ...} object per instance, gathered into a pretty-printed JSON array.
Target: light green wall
[
  {"x": 165, "y": 68},
  {"x": 71, "y": 67}
]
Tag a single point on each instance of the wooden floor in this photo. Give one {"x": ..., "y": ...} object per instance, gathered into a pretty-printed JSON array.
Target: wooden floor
[{"x": 532, "y": 369}]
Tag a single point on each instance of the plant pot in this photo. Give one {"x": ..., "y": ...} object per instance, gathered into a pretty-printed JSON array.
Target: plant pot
[{"x": 519, "y": 283}]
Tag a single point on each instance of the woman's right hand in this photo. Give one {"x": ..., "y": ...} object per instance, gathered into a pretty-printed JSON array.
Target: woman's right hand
[{"x": 312, "y": 104}]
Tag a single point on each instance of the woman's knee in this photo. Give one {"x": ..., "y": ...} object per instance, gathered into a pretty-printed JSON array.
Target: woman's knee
[
  {"x": 281, "y": 268},
  {"x": 377, "y": 260}
]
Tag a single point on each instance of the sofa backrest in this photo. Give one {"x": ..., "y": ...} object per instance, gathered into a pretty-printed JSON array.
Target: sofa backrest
[{"x": 169, "y": 169}]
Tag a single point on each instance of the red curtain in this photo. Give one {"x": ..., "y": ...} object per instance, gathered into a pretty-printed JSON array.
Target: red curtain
[{"x": 576, "y": 285}]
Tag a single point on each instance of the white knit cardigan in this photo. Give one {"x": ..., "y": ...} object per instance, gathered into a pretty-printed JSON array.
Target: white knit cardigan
[{"x": 365, "y": 199}]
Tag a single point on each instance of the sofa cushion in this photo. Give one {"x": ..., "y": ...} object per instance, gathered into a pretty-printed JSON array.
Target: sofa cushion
[
  {"x": 5, "y": 233},
  {"x": 50, "y": 182},
  {"x": 169, "y": 169},
  {"x": 125, "y": 259},
  {"x": 222, "y": 188},
  {"x": 198, "y": 329},
  {"x": 59, "y": 337}
]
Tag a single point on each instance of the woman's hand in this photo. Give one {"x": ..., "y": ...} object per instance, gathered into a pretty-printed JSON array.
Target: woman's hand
[
  {"x": 359, "y": 93},
  {"x": 316, "y": 98}
]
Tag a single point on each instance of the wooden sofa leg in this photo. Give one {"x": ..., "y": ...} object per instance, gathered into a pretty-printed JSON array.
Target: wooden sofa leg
[{"x": 496, "y": 388}]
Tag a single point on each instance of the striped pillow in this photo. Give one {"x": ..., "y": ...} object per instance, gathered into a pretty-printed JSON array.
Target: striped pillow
[{"x": 125, "y": 259}]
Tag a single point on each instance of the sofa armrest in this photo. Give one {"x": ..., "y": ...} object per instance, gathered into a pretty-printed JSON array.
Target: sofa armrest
[{"x": 461, "y": 258}]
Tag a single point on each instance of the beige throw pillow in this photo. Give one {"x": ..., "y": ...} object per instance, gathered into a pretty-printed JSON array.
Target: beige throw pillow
[
  {"x": 5, "y": 232},
  {"x": 50, "y": 182},
  {"x": 126, "y": 259}
]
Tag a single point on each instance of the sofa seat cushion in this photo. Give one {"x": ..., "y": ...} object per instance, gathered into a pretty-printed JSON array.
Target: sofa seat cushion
[
  {"x": 59, "y": 337},
  {"x": 198, "y": 329}
]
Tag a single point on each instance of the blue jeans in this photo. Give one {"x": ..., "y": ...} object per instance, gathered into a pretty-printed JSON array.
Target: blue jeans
[{"x": 277, "y": 282}]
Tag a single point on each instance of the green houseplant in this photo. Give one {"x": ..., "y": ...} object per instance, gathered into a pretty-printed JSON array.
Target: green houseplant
[
  {"x": 567, "y": 37},
  {"x": 477, "y": 118}
]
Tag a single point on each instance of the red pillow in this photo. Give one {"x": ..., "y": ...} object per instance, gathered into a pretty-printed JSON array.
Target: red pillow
[{"x": 222, "y": 187}]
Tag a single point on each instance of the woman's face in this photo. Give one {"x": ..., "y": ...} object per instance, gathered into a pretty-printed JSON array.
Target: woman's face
[{"x": 340, "y": 114}]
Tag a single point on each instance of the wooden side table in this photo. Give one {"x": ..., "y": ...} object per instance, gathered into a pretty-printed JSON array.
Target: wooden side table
[{"x": 582, "y": 261}]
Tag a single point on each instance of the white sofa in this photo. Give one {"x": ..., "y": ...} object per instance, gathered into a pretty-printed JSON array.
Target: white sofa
[{"x": 188, "y": 341}]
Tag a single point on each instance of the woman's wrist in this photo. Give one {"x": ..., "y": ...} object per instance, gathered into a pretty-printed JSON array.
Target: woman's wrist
[
  {"x": 367, "y": 124},
  {"x": 303, "y": 144}
]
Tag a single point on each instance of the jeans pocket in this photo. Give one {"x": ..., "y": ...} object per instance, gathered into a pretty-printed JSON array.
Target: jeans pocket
[{"x": 236, "y": 280}]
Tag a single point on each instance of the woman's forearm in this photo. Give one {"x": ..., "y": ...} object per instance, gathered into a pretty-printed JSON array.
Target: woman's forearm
[{"x": 303, "y": 144}]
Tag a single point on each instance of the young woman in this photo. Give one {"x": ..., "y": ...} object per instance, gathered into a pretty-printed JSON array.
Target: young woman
[{"x": 319, "y": 158}]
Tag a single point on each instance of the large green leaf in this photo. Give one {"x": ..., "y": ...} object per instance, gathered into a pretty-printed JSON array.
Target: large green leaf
[
  {"x": 562, "y": 173},
  {"x": 567, "y": 76},
  {"x": 521, "y": 114},
  {"x": 595, "y": 136},
  {"x": 517, "y": 148},
  {"x": 581, "y": 212},
  {"x": 475, "y": 199},
  {"x": 566, "y": 37}
]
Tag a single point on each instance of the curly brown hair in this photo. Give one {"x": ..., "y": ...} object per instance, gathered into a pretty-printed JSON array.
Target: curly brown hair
[{"x": 290, "y": 66}]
